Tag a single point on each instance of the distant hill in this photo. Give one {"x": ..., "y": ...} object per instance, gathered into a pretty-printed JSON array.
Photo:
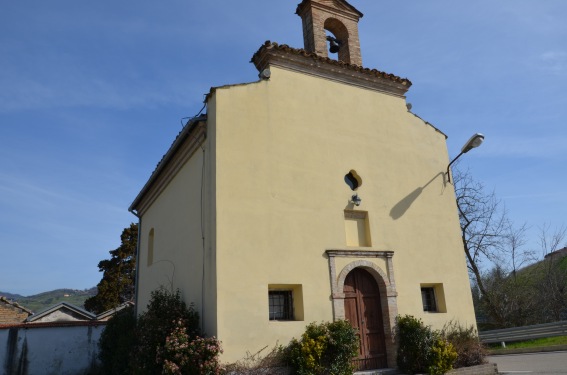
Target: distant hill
[
  {"x": 11, "y": 296},
  {"x": 44, "y": 300}
]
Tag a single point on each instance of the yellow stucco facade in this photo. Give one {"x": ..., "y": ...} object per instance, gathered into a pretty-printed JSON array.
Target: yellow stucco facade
[{"x": 252, "y": 197}]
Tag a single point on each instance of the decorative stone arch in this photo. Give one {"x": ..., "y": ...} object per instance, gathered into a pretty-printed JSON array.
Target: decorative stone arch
[
  {"x": 386, "y": 284},
  {"x": 379, "y": 275}
]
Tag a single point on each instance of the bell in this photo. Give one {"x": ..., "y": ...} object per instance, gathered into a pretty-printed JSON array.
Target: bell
[
  {"x": 334, "y": 48},
  {"x": 335, "y": 45}
]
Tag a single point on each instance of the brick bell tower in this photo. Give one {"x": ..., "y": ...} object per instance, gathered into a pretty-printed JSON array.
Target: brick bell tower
[{"x": 338, "y": 18}]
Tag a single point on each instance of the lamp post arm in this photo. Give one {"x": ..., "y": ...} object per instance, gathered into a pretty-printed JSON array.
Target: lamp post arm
[{"x": 449, "y": 166}]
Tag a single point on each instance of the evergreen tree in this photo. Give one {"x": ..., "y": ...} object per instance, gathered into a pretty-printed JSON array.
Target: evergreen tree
[{"x": 118, "y": 281}]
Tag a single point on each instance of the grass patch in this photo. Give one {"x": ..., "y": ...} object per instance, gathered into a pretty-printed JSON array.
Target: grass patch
[{"x": 547, "y": 341}]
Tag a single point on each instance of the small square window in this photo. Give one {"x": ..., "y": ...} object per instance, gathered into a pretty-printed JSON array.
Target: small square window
[
  {"x": 281, "y": 304},
  {"x": 428, "y": 299}
]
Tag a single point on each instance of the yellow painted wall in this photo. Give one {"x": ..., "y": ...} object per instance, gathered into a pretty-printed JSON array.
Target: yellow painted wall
[
  {"x": 175, "y": 218},
  {"x": 283, "y": 149},
  {"x": 277, "y": 152}
]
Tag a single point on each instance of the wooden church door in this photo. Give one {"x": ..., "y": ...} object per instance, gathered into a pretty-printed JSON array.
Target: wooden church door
[{"x": 364, "y": 311}]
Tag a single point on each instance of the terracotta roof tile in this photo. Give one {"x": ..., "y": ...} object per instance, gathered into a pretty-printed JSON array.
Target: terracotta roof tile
[
  {"x": 268, "y": 45},
  {"x": 15, "y": 304}
]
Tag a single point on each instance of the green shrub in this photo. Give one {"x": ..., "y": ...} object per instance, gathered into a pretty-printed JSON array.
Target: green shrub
[
  {"x": 470, "y": 351},
  {"x": 165, "y": 312},
  {"x": 117, "y": 342},
  {"x": 422, "y": 349},
  {"x": 325, "y": 348},
  {"x": 414, "y": 344},
  {"x": 342, "y": 348},
  {"x": 164, "y": 340}
]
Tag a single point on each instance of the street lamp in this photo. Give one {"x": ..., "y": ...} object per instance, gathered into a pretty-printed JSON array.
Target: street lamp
[{"x": 475, "y": 141}]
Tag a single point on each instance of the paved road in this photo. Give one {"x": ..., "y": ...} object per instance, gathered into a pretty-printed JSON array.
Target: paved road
[{"x": 532, "y": 364}]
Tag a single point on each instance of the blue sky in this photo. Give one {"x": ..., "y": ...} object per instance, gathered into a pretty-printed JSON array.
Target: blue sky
[{"x": 92, "y": 93}]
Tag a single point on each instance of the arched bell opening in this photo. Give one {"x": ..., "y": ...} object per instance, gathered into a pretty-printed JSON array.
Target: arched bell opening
[
  {"x": 338, "y": 39},
  {"x": 337, "y": 19}
]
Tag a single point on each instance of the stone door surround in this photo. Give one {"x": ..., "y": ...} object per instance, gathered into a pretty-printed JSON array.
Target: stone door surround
[{"x": 386, "y": 283}]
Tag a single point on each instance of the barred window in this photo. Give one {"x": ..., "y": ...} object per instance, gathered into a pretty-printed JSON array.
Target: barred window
[
  {"x": 428, "y": 299},
  {"x": 281, "y": 304}
]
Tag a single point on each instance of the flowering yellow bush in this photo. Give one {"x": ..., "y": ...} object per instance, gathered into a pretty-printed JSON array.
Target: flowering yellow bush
[
  {"x": 312, "y": 350},
  {"x": 442, "y": 357},
  {"x": 325, "y": 348}
]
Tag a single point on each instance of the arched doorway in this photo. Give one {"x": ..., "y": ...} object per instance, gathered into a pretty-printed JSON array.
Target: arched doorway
[{"x": 364, "y": 311}]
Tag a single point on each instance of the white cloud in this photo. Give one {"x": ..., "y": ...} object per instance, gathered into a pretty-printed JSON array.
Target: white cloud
[
  {"x": 554, "y": 62},
  {"x": 14, "y": 188}
]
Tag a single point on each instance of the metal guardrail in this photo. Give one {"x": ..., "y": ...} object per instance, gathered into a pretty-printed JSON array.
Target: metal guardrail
[{"x": 524, "y": 333}]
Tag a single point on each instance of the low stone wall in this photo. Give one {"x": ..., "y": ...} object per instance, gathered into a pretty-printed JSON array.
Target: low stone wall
[{"x": 49, "y": 348}]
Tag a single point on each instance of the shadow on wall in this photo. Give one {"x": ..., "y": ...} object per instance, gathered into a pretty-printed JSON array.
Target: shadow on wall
[
  {"x": 402, "y": 206},
  {"x": 14, "y": 363}
]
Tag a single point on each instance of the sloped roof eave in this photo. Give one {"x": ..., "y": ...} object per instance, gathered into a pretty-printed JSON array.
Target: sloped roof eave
[
  {"x": 228, "y": 86},
  {"x": 183, "y": 134},
  {"x": 430, "y": 124},
  {"x": 114, "y": 310}
]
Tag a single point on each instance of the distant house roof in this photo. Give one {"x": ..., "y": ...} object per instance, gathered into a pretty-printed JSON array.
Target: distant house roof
[
  {"x": 61, "y": 312},
  {"x": 12, "y": 312},
  {"x": 558, "y": 253},
  {"x": 60, "y": 315},
  {"x": 110, "y": 313}
]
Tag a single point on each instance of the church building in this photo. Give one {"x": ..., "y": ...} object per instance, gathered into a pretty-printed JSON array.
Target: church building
[{"x": 312, "y": 194}]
